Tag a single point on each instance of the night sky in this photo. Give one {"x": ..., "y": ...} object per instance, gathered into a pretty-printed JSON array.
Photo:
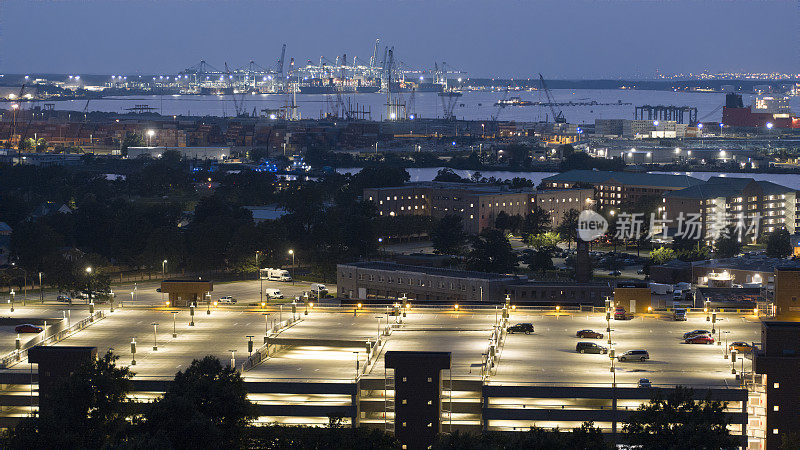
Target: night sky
[{"x": 562, "y": 39}]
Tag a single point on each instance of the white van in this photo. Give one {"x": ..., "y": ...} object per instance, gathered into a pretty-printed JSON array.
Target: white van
[
  {"x": 273, "y": 293},
  {"x": 318, "y": 288}
]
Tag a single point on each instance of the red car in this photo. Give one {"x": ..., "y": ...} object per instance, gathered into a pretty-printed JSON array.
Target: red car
[
  {"x": 589, "y": 334},
  {"x": 28, "y": 328},
  {"x": 700, "y": 339}
]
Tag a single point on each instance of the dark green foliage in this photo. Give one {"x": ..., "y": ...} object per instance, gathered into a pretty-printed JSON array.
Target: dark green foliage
[
  {"x": 586, "y": 437},
  {"x": 779, "y": 244},
  {"x": 205, "y": 407},
  {"x": 679, "y": 422},
  {"x": 448, "y": 236},
  {"x": 729, "y": 243},
  {"x": 447, "y": 175},
  {"x": 491, "y": 252},
  {"x": 283, "y": 437}
]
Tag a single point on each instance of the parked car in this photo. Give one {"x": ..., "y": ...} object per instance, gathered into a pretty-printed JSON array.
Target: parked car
[
  {"x": 273, "y": 293},
  {"x": 621, "y": 314},
  {"x": 679, "y": 314},
  {"x": 526, "y": 328},
  {"x": 689, "y": 334},
  {"x": 318, "y": 290},
  {"x": 227, "y": 299},
  {"x": 590, "y": 347},
  {"x": 64, "y": 298},
  {"x": 700, "y": 339},
  {"x": 28, "y": 328},
  {"x": 589, "y": 334},
  {"x": 741, "y": 347},
  {"x": 634, "y": 355},
  {"x": 614, "y": 273},
  {"x": 644, "y": 383}
]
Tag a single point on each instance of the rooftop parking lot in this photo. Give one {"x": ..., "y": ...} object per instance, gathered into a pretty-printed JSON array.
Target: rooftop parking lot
[
  {"x": 546, "y": 356},
  {"x": 549, "y": 355}
]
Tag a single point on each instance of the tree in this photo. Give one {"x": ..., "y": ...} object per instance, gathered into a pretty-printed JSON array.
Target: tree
[
  {"x": 779, "y": 244},
  {"x": 661, "y": 255},
  {"x": 131, "y": 140},
  {"x": 502, "y": 222},
  {"x": 678, "y": 422},
  {"x": 541, "y": 259},
  {"x": 448, "y": 236},
  {"x": 87, "y": 410},
  {"x": 535, "y": 222},
  {"x": 543, "y": 240},
  {"x": 729, "y": 244},
  {"x": 491, "y": 252},
  {"x": 568, "y": 228},
  {"x": 205, "y": 407},
  {"x": 585, "y": 437},
  {"x": 447, "y": 175}
]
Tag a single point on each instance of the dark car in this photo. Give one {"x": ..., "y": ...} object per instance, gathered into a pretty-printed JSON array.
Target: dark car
[
  {"x": 644, "y": 383},
  {"x": 526, "y": 328},
  {"x": 590, "y": 347},
  {"x": 589, "y": 334},
  {"x": 692, "y": 333},
  {"x": 634, "y": 355},
  {"x": 28, "y": 328},
  {"x": 64, "y": 298},
  {"x": 700, "y": 339}
]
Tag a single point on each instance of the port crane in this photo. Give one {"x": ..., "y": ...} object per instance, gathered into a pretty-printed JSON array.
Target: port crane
[{"x": 559, "y": 117}]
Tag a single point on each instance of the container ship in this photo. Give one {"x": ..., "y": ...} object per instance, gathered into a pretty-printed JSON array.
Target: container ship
[
  {"x": 334, "y": 85},
  {"x": 766, "y": 112}
]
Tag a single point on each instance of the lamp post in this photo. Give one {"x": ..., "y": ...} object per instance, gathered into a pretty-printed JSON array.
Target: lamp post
[
  {"x": 150, "y": 134},
  {"x": 191, "y": 314},
  {"x": 12, "y": 300},
  {"x": 174, "y": 331},
  {"x": 41, "y": 289},
  {"x": 155, "y": 337},
  {"x": 726, "y": 342},
  {"x": 266, "y": 326},
  {"x": 291, "y": 252},
  {"x": 163, "y": 275},
  {"x": 260, "y": 279},
  {"x": 89, "y": 282},
  {"x": 233, "y": 358},
  {"x": 208, "y": 303},
  {"x": 133, "y": 351}
]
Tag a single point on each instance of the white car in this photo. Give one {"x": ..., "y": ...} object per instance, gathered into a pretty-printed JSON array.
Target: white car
[{"x": 227, "y": 299}]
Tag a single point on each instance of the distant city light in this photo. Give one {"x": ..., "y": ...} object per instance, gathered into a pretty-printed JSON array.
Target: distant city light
[{"x": 769, "y": 125}]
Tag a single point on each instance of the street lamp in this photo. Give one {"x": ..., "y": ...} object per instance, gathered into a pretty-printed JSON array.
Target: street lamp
[
  {"x": 12, "y": 300},
  {"x": 260, "y": 279},
  {"x": 208, "y": 303},
  {"x": 89, "y": 282},
  {"x": 150, "y": 134},
  {"x": 155, "y": 338},
  {"x": 174, "y": 331},
  {"x": 291, "y": 252},
  {"x": 41, "y": 289},
  {"x": 266, "y": 326}
]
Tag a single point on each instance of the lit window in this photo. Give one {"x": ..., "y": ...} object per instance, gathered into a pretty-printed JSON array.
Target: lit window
[
  {"x": 776, "y": 385},
  {"x": 775, "y": 408}
]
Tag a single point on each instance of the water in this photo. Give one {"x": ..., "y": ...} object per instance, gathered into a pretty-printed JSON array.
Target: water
[
  {"x": 471, "y": 106},
  {"x": 429, "y": 173}
]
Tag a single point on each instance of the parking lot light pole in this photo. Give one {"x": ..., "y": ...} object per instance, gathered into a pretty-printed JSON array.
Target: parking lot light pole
[
  {"x": 208, "y": 303},
  {"x": 191, "y": 315},
  {"x": 260, "y": 279},
  {"x": 133, "y": 351},
  {"x": 11, "y": 299},
  {"x": 266, "y": 326},
  {"x": 233, "y": 358},
  {"x": 291, "y": 252},
  {"x": 41, "y": 289},
  {"x": 155, "y": 337},
  {"x": 726, "y": 332},
  {"x": 174, "y": 331}
]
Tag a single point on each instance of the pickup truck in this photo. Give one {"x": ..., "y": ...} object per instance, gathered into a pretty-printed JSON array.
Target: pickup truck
[{"x": 679, "y": 314}]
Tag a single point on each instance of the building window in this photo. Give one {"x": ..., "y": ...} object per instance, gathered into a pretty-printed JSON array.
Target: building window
[{"x": 776, "y": 385}]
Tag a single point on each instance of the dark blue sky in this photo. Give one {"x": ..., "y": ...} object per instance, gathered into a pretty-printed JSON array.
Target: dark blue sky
[{"x": 562, "y": 38}]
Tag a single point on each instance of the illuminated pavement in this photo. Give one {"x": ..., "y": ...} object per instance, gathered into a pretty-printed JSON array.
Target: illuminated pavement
[
  {"x": 36, "y": 315},
  {"x": 549, "y": 356}
]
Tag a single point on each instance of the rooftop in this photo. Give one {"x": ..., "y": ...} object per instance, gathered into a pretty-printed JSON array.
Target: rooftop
[
  {"x": 728, "y": 187},
  {"x": 436, "y": 271}
]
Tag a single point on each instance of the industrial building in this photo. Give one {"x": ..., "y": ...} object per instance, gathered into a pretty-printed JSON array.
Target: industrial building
[
  {"x": 390, "y": 281},
  {"x": 615, "y": 188},
  {"x": 477, "y": 204}
]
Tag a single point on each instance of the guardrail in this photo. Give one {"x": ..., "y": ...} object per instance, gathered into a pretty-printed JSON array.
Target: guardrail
[
  {"x": 263, "y": 352},
  {"x": 57, "y": 335}
]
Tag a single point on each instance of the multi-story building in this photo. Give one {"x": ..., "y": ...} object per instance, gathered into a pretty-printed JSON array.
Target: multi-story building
[
  {"x": 759, "y": 206},
  {"x": 612, "y": 189},
  {"x": 477, "y": 204}
]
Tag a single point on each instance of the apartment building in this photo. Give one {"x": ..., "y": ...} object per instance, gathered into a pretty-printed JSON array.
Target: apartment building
[
  {"x": 762, "y": 205},
  {"x": 477, "y": 204},
  {"x": 612, "y": 189}
]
